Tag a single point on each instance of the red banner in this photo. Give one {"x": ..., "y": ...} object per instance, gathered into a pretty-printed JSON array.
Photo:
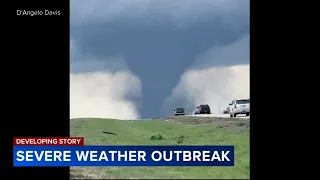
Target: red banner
[{"x": 48, "y": 141}]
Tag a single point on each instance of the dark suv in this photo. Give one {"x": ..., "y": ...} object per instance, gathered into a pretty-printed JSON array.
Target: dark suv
[{"x": 202, "y": 109}]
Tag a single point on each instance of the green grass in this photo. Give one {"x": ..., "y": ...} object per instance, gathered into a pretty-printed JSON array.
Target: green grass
[{"x": 170, "y": 131}]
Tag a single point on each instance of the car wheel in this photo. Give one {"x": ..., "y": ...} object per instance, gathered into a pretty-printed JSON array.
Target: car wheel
[
  {"x": 247, "y": 114},
  {"x": 235, "y": 115},
  {"x": 231, "y": 115}
]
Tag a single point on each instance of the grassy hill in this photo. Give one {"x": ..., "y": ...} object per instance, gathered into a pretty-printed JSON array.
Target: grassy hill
[{"x": 168, "y": 131}]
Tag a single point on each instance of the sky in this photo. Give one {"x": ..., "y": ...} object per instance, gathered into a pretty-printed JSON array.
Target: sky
[{"x": 140, "y": 59}]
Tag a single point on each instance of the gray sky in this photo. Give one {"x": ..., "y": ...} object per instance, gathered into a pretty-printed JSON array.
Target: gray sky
[{"x": 141, "y": 58}]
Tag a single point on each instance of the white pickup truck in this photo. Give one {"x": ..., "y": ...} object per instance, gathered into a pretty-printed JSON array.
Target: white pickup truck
[{"x": 239, "y": 106}]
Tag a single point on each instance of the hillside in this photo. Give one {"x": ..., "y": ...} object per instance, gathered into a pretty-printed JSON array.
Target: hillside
[{"x": 169, "y": 131}]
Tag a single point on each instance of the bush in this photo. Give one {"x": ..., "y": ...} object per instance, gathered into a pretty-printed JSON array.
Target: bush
[
  {"x": 157, "y": 137},
  {"x": 180, "y": 139}
]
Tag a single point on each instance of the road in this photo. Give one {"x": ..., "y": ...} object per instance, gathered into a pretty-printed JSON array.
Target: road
[{"x": 219, "y": 115}]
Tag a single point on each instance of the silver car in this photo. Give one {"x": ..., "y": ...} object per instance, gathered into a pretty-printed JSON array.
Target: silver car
[{"x": 179, "y": 112}]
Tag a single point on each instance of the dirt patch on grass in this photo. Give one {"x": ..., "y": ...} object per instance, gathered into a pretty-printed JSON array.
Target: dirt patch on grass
[
  {"x": 92, "y": 173},
  {"x": 89, "y": 173},
  {"x": 212, "y": 121},
  {"x": 233, "y": 124}
]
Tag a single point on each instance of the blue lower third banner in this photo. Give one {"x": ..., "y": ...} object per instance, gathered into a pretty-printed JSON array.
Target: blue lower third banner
[{"x": 123, "y": 156}]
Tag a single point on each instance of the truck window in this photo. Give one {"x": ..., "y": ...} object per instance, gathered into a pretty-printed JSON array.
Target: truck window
[
  {"x": 205, "y": 107},
  {"x": 243, "y": 101}
]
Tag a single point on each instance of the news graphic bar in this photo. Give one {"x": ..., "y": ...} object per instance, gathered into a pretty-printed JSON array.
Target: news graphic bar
[
  {"x": 59, "y": 155},
  {"x": 48, "y": 141}
]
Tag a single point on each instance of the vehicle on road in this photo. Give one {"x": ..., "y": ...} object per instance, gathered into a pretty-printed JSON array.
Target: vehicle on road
[
  {"x": 179, "y": 112},
  {"x": 202, "y": 109},
  {"x": 239, "y": 106}
]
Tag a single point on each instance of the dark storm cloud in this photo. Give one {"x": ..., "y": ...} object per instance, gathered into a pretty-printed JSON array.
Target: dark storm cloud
[{"x": 156, "y": 40}]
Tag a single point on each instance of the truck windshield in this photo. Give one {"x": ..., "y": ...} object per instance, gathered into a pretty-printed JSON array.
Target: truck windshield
[
  {"x": 243, "y": 101},
  {"x": 205, "y": 107}
]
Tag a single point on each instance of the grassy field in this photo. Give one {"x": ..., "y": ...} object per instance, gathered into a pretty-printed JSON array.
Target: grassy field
[{"x": 177, "y": 130}]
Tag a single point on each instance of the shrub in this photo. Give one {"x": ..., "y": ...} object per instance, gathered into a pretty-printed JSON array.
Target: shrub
[
  {"x": 157, "y": 137},
  {"x": 180, "y": 139}
]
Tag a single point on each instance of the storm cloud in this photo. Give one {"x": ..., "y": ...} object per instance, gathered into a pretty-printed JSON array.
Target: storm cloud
[
  {"x": 157, "y": 49},
  {"x": 108, "y": 90},
  {"x": 214, "y": 85}
]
